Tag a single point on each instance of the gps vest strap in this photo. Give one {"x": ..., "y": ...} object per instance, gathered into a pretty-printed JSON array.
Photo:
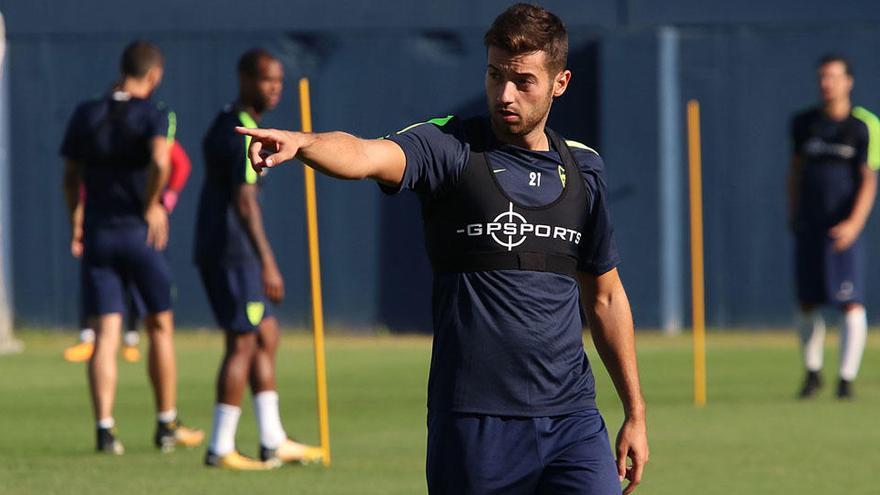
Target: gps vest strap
[
  {"x": 477, "y": 227},
  {"x": 536, "y": 262}
]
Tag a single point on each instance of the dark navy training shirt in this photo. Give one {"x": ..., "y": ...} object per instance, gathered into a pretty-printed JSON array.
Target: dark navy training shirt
[
  {"x": 112, "y": 137},
  {"x": 220, "y": 235},
  {"x": 833, "y": 153},
  {"x": 509, "y": 342}
]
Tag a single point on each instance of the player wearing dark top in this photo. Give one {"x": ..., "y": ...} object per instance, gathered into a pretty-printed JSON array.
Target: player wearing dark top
[
  {"x": 518, "y": 233},
  {"x": 117, "y": 147},
  {"x": 240, "y": 275},
  {"x": 82, "y": 350},
  {"x": 832, "y": 184},
  {"x": 548, "y": 321}
]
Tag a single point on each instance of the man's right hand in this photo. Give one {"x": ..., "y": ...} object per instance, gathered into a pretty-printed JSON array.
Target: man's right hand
[
  {"x": 273, "y": 283},
  {"x": 632, "y": 444},
  {"x": 157, "y": 226},
  {"x": 271, "y": 147},
  {"x": 76, "y": 246}
]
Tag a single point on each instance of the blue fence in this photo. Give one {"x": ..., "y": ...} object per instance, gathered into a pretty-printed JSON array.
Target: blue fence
[{"x": 375, "y": 67}]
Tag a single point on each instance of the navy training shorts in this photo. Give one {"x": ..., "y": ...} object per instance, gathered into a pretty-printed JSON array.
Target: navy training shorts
[
  {"x": 825, "y": 276},
  {"x": 236, "y": 295},
  {"x": 117, "y": 261},
  {"x": 134, "y": 306},
  {"x": 472, "y": 454}
]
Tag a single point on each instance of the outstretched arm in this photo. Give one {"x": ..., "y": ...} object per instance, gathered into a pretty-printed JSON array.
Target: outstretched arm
[
  {"x": 336, "y": 154},
  {"x": 605, "y": 304}
]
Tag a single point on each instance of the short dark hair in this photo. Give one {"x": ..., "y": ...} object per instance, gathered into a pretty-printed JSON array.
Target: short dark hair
[
  {"x": 139, "y": 57},
  {"x": 249, "y": 63},
  {"x": 836, "y": 57},
  {"x": 525, "y": 28}
]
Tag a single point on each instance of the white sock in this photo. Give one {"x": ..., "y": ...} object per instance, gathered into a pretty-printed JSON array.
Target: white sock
[
  {"x": 269, "y": 419},
  {"x": 167, "y": 416},
  {"x": 87, "y": 335},
  {"x": 223, "y": 432},
  {"x": 132, "y": 338},
  {"x": 852, "y": 342},
  {"x": 106, "y": 423},
  {"x": 811, "y": 327}
]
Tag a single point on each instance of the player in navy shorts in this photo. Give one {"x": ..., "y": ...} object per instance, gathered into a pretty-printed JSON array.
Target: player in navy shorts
[
  {"x": 82, "y": 350},
  {"x": 117, "y": 147},
  {"x": 240, "y": 275},
  {"x": 521, "y": 243},
  {"x": 832, "y": 184}
]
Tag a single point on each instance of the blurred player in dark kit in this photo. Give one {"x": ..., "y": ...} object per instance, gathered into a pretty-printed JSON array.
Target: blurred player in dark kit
[
  {"x": 118, "y": 148},
  {"x": 240, "y": 275},
  {"x": 832, "y": 185}
]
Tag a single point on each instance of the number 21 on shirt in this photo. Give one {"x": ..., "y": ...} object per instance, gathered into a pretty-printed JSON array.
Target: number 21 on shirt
[{"x": 535, "y": 179}]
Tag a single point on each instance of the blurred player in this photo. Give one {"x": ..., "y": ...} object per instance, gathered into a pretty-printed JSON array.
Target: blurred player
[
  {"x": 82, "y": 351},
  {"x": 240, "y": 275},
  {"x": 832, "y": 184},
  {"x": 517, "y": 231},
  {"x": 118, "y": 148}
]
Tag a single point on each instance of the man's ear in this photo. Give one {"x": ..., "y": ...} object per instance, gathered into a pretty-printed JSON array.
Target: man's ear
[
  {"x": 154, "y": 75},
  {"x": 560, "y": 83}
]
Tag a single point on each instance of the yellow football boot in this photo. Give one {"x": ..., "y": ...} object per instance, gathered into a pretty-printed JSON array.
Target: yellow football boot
[
  {"x": 235, "y": 461},
  {"x": 174, "y": 434},
  {"x": 290, "y": 451},
  {"x": 79, "y": 352},
  {"x": 131, "y": 353}
]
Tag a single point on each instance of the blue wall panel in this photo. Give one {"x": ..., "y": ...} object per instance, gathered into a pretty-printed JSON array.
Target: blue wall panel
[
  {"x": 817, "y": 13},
  {"x": 127, "y": 17},
  {"x": 750, "y": 83},
  {"x": 629, "y": 145},
  {"x": 369, "y": 84},
  {"x": 377, "y": 67}
]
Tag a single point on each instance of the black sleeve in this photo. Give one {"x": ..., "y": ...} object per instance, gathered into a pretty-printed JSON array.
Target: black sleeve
[{"x": 160, "y": 122}]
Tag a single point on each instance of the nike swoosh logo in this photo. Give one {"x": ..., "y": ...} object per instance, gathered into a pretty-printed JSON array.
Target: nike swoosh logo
[{"x": 499, "y": 170}]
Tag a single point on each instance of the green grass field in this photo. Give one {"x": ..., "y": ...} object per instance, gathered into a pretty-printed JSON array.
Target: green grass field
[{"x": 752, "y": 438}]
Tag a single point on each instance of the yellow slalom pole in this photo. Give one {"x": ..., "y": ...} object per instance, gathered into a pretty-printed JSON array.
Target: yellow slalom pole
[
  {"x": 697, "y": 280},
  {"x": 315, "y": 275}
]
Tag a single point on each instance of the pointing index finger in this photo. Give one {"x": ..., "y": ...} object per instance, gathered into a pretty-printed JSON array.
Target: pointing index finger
[{"x": 257, "y": 133}]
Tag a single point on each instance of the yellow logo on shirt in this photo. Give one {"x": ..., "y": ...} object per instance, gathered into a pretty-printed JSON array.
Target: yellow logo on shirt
[{"x": 561, "y": 171}]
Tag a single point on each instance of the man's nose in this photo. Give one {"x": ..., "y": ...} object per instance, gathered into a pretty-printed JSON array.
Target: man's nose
[{"x": 507, "y": 93}]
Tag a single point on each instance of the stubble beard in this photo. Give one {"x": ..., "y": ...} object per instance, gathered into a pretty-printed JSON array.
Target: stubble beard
[{"x": 527, "y": 124}]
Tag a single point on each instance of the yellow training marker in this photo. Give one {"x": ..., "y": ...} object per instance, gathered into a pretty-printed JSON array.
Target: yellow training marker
[
  {"x": 315, "y": 276},
  {"x": 697, "y": 280}
]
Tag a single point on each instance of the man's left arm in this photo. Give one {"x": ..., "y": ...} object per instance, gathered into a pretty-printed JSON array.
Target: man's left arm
[
  {"x": 155, "y": 215},
  {"x": 162, "y": 126},
  {"x": 73, "y": 198},
  {"x": 846, "y": 232},
  {"x": 611, "y": 326}
]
